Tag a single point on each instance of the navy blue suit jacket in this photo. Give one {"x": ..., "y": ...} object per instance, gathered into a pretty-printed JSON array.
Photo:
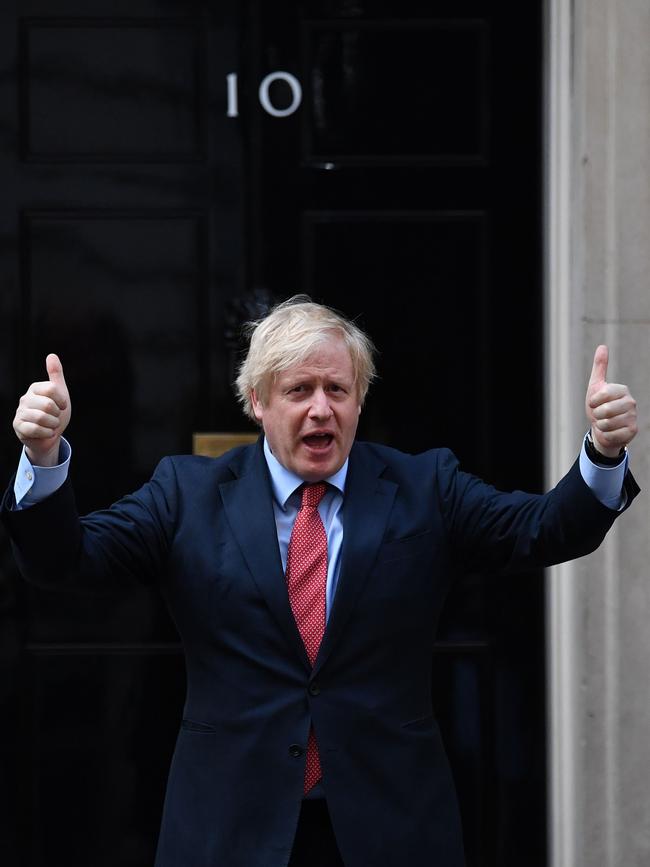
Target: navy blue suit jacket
[{"x": 203, "y": 531}]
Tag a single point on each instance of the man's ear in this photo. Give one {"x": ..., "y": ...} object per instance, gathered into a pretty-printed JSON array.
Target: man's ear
[{"x": 257, "y": 405}]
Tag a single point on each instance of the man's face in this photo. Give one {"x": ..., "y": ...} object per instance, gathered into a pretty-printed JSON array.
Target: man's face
[{"x": 311, "y": 412}]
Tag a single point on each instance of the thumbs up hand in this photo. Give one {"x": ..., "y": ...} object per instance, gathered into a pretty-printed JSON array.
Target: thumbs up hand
[
  {"x": 610, "y": 408},
  {"x": 43, "y": 414}
]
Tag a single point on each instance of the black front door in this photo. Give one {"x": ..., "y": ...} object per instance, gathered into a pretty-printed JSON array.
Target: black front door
[{"x": 169, "y": 169}]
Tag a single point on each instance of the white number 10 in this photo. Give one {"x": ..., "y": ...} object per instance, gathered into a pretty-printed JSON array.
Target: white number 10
[{"x": 263, "y": 94}]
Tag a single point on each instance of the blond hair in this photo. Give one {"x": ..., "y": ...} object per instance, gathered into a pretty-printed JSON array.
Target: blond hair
[{"x": 288, "y": 335}]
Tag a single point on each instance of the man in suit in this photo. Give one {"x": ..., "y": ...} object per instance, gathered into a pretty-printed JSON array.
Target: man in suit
[{"x": 306, "y": 574}]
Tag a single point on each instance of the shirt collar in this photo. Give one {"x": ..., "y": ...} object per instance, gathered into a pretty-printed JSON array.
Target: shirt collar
[{"x": 284, "y": 482}]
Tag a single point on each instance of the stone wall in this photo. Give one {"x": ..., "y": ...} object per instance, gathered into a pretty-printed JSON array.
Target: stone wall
[{"x": 598, "y": 291}]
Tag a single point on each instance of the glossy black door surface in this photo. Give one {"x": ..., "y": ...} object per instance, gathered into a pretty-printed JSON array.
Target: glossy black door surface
[{"x": 169, "y": 169}]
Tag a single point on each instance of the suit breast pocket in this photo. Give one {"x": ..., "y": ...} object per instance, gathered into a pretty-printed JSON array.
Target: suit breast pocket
[
  {"x": 412, "y": 547},
  {"x": 401, "y": 584},
  {"x": 425, "y": 724}
]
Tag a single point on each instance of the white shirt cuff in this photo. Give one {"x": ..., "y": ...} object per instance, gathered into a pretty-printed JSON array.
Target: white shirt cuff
[
  {"x": 34, "y": 484},
  {"x": 606, "y": 483}
]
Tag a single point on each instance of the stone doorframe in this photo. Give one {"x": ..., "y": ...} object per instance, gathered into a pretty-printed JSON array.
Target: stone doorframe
[{"x": 597, "y": 289}]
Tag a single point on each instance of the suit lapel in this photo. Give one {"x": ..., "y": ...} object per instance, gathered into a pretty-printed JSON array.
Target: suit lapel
[
  {"x": 367, "y": 505},
  {"x": 248, "y": 504}
]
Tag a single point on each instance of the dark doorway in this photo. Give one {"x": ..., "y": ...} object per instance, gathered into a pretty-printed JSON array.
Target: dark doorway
[{"x": 151, "y": 203}]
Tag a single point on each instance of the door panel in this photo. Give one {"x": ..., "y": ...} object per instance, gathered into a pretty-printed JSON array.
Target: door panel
[{"x": 379, "y": 121}]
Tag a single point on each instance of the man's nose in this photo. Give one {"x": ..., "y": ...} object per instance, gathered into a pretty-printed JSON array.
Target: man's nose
[{"x": 320, "y": 405}]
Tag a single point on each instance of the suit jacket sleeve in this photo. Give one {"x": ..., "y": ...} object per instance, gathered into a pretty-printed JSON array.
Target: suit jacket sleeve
[
  {"x": 53, "y": 546},
  {"x": 509, "y": 531}
]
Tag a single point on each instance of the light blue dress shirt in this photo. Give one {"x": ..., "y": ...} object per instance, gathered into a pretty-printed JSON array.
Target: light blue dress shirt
[{"x": 286, "y": 503}]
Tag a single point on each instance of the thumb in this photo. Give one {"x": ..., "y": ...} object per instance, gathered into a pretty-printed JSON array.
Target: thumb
[
  {"x": 599, "y": 369},
  {"x": 55, "y": 369}
]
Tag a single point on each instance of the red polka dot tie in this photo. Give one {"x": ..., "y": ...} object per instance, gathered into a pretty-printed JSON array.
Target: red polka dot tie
[{"x": 306, "y": 581}]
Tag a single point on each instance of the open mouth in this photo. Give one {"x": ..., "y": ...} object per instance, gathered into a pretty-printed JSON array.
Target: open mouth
[{"x": 318, "y": 440}]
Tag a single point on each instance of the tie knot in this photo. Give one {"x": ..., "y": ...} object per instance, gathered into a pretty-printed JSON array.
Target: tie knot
[{"x": 312, "y": 495}]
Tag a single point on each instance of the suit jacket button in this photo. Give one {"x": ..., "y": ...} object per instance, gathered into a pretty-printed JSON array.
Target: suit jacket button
[
  {"x": 295, "y": 751},
  {"x": 314, "y": 688}
]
